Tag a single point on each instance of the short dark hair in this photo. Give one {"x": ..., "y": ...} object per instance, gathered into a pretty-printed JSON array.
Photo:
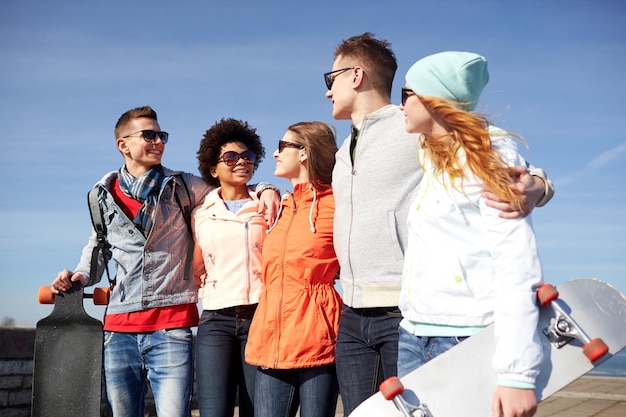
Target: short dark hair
[
  {"x": 136, "y": 113},
  {"x": 374, "y": 56}
]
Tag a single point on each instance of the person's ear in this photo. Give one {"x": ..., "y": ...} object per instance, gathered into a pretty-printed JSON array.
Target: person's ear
[
  {"x": 358, "y": 77},
  {"x": 122, "y": 146}
]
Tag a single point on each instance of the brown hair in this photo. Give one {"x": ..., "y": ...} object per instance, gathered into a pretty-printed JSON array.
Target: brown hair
[
  {"x": 319, "y": 142},
  {"x": 469, "y": 132},
  {"x": 124, "y": 120},
  {"x": 374, "y": 56}
]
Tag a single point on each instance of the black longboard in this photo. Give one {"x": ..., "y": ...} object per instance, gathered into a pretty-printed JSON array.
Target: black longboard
[{"x": 67, "y": 376}]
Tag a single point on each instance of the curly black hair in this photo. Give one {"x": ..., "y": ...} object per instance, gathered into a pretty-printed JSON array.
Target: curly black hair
[{"x": 221, "y": 133}]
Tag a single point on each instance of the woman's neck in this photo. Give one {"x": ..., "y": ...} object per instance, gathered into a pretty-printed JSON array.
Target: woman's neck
[
  {"x": 299, "y": 180},
  {"x": 233, "y": 193}
]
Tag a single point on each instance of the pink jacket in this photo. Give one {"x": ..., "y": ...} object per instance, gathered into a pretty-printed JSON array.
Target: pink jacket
[{"x": 227, "y": 253}]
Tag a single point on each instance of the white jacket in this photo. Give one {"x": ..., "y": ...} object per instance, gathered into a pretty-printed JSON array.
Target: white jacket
[
  {"x": 227, "y": 255},
  {"x": 465, "y": 266}
]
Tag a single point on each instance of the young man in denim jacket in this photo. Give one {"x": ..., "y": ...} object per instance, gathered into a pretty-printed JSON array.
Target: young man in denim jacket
[{"x": 153, "y": 303}]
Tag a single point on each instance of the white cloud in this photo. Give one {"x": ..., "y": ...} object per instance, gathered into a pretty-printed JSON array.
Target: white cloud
[{"x": 601, "y": 161}]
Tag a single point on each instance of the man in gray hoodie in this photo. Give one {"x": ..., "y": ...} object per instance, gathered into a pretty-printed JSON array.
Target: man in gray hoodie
[{"x": 374, "y": 180}]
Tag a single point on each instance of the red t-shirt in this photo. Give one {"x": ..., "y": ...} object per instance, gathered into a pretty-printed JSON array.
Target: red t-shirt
[{"x": 183, "y": 315}]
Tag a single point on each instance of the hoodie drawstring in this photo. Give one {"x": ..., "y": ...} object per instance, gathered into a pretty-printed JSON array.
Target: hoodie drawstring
[
  {"x": 280, "y": 209},
  {"x": 311, "y": 209}
]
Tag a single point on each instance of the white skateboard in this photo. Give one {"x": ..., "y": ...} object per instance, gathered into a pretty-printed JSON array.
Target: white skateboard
[{"x": 583, "y": 323}]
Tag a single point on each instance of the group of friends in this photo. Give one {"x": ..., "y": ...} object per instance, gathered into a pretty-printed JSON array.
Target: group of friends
[{"x": 423, "y": 214}]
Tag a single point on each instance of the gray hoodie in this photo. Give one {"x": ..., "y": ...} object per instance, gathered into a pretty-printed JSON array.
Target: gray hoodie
[{"x": 371, "y": 206}]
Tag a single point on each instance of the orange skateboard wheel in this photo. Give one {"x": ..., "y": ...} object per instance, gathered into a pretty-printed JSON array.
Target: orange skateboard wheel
[
  {"x": 45, "y": 295},
  {"x": 391, "y": 387},
  {"x": 595, "y": 349},
  {"x": 101, "y": 296},
  {"x": 546, "y": 294}
]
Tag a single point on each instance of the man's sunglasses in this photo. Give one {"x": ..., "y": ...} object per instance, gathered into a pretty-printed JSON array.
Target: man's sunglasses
[
  {"x": 150, "y": 136},
  {"x": 329, "y": 77},
  {"x": 282, "y": 144},
  {"x": 406, "y": 93},
  {"x": 231, "y": 158}
]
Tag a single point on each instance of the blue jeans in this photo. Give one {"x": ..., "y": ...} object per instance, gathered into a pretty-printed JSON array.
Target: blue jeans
[
  {"x": 278, "y": 392},
  {"x": 367, "y": 352},
  {"x": 221, "y": 371},
  {"x": 415, "y": 351},
  {"x": 163, "y": 357}
]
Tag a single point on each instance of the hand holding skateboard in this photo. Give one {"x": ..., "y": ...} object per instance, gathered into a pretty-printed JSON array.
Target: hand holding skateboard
[
  {"x": 581, "y": 325},
  {"x": 67, "y": 375}
]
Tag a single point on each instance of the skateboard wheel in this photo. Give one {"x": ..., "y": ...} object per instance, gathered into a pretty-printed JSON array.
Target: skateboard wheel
[
  {"x": 391, "y": 387},
  {"x": 45, "y": 295},
  {"x": 595, "y": 349},
  {"x": 101, "y": 296},
  {"x": 546, "y": 294}
]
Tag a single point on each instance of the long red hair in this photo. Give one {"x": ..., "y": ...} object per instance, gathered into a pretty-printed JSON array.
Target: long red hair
[{"x": 468, "y": 132}]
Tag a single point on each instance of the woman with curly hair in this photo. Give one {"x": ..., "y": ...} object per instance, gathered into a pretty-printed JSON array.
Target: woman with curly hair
[
  {"x": 465, "y": 267},
  {"x": 228, "y": 234}
]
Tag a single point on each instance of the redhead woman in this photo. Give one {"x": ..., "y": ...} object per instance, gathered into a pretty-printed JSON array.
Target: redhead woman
[{"x": 465, "y": 267}]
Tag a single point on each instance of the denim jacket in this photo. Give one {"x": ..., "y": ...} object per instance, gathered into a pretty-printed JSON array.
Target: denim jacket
[{"x": 151, "y": 271}]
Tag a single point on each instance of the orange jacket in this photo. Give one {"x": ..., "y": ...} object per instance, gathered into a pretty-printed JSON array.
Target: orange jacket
[{"x": 295, "y": 324}]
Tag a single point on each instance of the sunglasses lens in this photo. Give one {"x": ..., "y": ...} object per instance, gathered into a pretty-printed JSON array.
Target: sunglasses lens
[
  {"x": 230, "y": 158},
  {"x": 406, "y": 93},
  {"x": 329, "y": 81},
  {"x": 284, "y": 144},
  {"x": 248, "y": 156},
  {"x": 149, "y": 135}
]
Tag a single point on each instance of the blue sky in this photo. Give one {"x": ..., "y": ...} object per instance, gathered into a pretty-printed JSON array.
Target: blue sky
[{"x": 69, "y": 69}]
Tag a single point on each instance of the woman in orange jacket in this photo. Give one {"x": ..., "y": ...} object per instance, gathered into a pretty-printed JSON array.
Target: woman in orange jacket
[{"x": 293, "y": 332}]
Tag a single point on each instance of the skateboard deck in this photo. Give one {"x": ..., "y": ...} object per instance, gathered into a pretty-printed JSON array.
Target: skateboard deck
[
  {"x": 67, "y": 376},
  {"x": 581, "y": 326}
]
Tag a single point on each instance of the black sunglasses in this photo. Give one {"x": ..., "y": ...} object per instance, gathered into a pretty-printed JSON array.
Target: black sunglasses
[
  {"x": 150, "y": 136},
  {"x": 329, "y": 78},
  {"x": 406, "y": 93},
  {"x": 282, "y": 144},
  {"x": 231, "y": 158}
]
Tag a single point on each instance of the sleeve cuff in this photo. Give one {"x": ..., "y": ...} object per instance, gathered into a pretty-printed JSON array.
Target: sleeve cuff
[
  {"x": 515, "y": 384},
  {"x": 264, "y": 186},
  {"x": 549, "y": 187}
]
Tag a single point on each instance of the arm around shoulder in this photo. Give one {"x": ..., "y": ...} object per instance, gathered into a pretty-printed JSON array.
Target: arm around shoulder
[{"x": 548, "y": 185}]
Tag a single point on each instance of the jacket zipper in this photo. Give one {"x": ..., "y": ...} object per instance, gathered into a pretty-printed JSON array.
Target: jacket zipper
[
  {"x": 282, "y": 282},
  {"x": 247, "y": 255}
]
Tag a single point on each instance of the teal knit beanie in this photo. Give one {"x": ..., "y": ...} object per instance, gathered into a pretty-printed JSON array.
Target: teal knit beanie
[{"x": 457, "y": 77}]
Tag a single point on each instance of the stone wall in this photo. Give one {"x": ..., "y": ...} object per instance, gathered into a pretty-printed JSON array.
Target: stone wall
[
  {"x": 16, "y": 374},
  {"x": 16, "y": 371}
]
